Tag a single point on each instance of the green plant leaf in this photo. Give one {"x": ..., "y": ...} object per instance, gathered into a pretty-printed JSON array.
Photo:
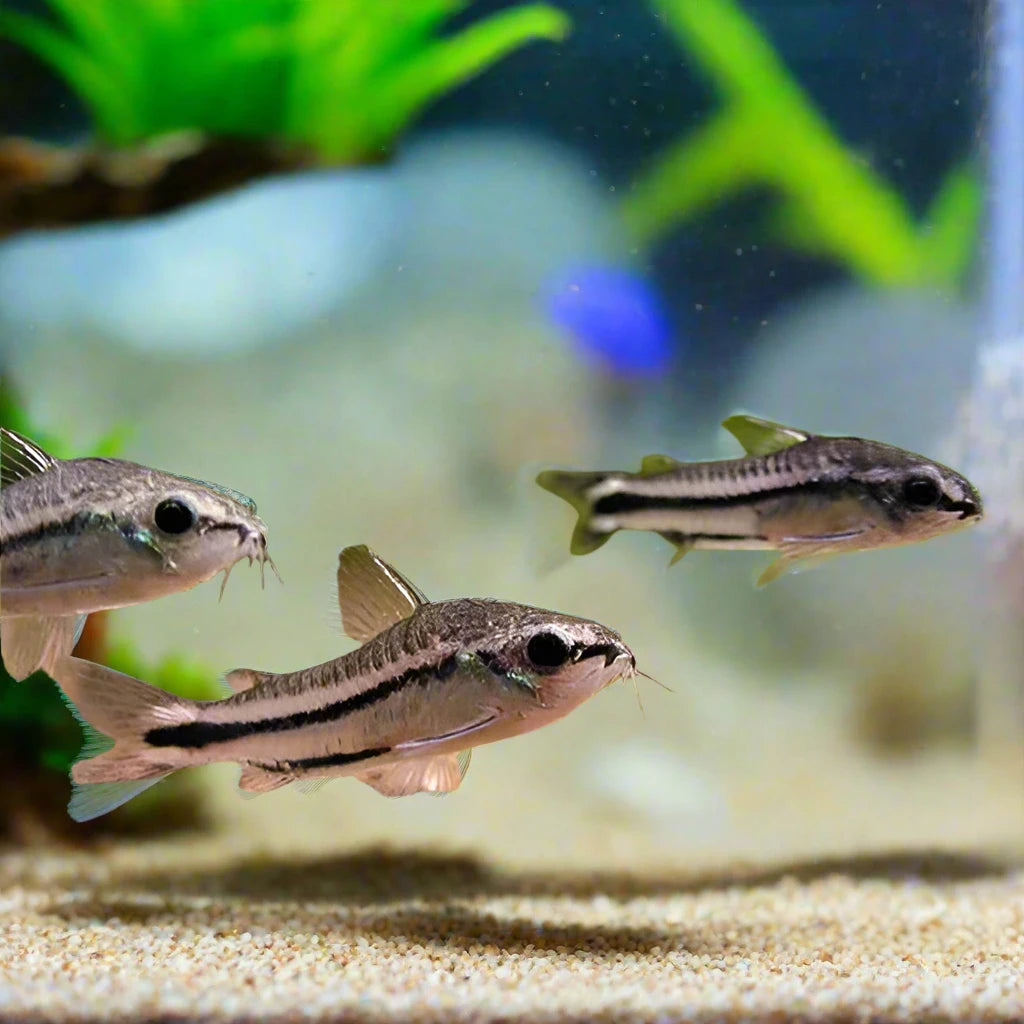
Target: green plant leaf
[
  {"x": 949, "y": 231},
  {"x": 769, "y": 134},
  {"x": 716, "y": 161},
  {"x": 343, "y": 76},
  {"x": 95, "y": 85},
  {"x": 449, "y": 62}
]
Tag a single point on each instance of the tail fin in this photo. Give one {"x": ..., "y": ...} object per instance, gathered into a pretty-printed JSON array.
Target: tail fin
[
  {"x": 574, "y": 488},
  {"x": 115, "y": 711}
]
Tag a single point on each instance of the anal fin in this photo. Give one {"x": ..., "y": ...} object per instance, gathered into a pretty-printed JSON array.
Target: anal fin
[
  {"x": 32, "y": 642},
  {"x": 310, "y": 786},
  {"x": 255, "y": 780},
  {"x": 439, "y": 773}
]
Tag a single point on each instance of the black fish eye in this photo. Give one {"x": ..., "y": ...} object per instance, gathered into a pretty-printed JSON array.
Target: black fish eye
[
  {"x": 921, "y": 491},
  {"x": 548, "y": 650},
  {"x": 173, "y": 516}
]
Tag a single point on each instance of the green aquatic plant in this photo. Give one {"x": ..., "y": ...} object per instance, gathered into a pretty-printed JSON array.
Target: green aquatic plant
[
  {"x": 39, "y": 737},
  {"x": 340, "y": 76},
  {"x": 35, "y": 721},
  {"x": 768, "y": 133}
]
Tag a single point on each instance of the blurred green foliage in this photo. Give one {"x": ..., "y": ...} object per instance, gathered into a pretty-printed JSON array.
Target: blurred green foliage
[
  {"x": 342, "y": 76},
  {"x": 15, "y": 418},
  {"x": 768, "y": 133}
]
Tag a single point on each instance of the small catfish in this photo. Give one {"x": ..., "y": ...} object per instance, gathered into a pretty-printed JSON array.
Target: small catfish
[
  {"x": 401, "y": 713},
  {"x": 83, "y": 535},
  {"x": 807, "y": 496}
]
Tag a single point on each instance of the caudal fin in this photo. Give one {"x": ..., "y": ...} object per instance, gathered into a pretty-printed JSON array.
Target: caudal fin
[
  {"x": 116, "y": 711},
  {"x": 574, "y": 488}
]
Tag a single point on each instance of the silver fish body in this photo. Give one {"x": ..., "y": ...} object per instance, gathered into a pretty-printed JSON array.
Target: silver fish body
[
  {"x": 807, "y": 496},
  {"x": 430, "y": 682},
  {"x": 84, "y": 535}
]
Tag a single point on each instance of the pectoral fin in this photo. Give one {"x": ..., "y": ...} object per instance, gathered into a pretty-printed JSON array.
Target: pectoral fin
[
  {"x": 372, "y": 595},
  {"x": 440, "y": 773},
  {"x": 795, "y": 558},
  {"x": 779, "y": 567},
  {"x": 32, "y": 642},
  {"x": 762, "y": 437}
]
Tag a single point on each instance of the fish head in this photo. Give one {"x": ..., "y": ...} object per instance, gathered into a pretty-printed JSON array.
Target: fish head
[
  {"x": 199, "y": 529},
  {"x": 564, "y": 660},
  {"x": 919, "y": 498}
]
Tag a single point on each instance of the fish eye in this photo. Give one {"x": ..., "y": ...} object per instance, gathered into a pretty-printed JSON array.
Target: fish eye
[
  {"x": 173, "y": 516},
  {"x": 921, "y": 491},
  {"x": 548, "y": 650}
]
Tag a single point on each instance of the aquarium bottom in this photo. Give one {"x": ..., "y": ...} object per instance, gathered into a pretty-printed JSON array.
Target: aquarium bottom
[{"x": 199, "y": 930}]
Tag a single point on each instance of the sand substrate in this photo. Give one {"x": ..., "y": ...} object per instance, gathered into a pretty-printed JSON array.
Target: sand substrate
[{"x": 204, "y": 929}]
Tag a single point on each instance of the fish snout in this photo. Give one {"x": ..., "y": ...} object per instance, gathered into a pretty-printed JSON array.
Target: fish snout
[
  {"x": 969, "y": 507},
  {"x": 252, "y": 541},
  {"x": 614, "y": 652}
]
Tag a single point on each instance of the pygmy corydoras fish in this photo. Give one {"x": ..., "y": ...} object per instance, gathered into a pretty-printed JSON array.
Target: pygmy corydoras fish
[
  {"x": 82, "y": 535},
  {"x": 807, "y": 496},
  {"x": 400, "y": 713}
]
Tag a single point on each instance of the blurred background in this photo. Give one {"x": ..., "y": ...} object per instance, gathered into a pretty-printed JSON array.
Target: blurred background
[{"x": 640, "y": 218}]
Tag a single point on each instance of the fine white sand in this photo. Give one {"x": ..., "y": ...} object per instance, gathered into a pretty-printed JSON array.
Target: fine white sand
[{"x": 204, "y": 931}]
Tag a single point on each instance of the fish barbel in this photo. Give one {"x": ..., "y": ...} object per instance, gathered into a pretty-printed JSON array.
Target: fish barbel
[
  {"x": 807, "y": 496},
  {"x": 400, "y": 713},
  {"x": 83, "y": 535}
]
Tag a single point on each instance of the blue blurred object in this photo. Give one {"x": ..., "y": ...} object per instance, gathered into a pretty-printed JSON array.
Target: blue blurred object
[
  {"x": 615, "y": 317},
  {"x": 1006, "y": 171}
]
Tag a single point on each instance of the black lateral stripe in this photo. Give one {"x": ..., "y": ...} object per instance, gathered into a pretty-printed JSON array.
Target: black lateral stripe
[
  {"x": 64, "y": 528},
  {"x": 195, "y": 735},
  {"x": 338, "y": 760},
  {"x": 624, "y": 501}
]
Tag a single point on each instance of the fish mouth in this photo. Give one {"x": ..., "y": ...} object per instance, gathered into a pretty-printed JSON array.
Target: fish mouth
[
  {"x": 611, "y": 653},
  {"x": 252, "y": 544},
  {"x": 968, "y": 508}
]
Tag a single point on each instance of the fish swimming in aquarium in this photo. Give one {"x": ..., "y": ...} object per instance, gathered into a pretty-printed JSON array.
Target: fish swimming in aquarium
[
  {"x": 83, "y": 535},
  {"x": 807, "y": 496},
  {"x": 401, "y": 713}
]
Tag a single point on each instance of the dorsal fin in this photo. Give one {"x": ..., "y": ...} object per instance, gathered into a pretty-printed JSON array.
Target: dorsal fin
[
  {"x": 762, "y": 437},
  {"x": 20, "y": 458},
  {"x": 372, "y": 595},
  {"x": 651, "y": 465}
]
